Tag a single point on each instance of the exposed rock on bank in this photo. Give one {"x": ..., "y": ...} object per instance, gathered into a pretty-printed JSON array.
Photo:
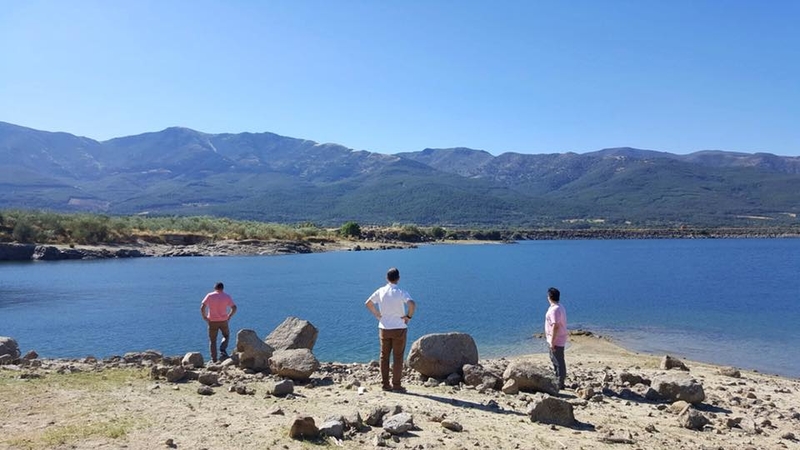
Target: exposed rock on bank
[{"x": 32, "y": 252}]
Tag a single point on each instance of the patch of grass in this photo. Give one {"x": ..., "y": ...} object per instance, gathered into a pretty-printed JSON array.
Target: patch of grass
[
  {"x": 67, "y": 434},
  {"x": 103, "y": 380},
  {"x": 70, "y": 433}
]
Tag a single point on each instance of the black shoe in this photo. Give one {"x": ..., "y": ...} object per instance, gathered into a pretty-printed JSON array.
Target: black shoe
[{"x": 223, "y": 356}]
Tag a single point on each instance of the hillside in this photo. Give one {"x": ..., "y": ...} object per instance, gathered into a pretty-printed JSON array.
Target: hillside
[{"x": 267, "y": 177}]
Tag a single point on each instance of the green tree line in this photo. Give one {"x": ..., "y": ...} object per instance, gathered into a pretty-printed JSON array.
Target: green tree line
[
  {"x": 59, "y": 228},
  {"x": 44, "y": 227}
]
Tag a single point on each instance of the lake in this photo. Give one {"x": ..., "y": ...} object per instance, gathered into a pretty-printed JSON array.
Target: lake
[{"x": 726, "y": 301}]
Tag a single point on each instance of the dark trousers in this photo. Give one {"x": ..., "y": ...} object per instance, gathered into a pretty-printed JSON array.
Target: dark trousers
[
  {"x": 394, "y": 342},
  {"x": 213, "y": 329},
  {"x": 559, "y": 365}
]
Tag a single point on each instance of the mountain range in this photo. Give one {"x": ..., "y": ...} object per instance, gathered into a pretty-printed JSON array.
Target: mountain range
[{"x": 268, "y": 177}]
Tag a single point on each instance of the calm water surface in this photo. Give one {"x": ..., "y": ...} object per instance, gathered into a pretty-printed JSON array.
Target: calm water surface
[{"x": 724, "y": 301}]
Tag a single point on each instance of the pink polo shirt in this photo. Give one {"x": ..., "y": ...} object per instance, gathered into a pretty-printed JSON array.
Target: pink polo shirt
[
  {"x": 217, "y": 304},
  {"x": 556, "y": 314}
]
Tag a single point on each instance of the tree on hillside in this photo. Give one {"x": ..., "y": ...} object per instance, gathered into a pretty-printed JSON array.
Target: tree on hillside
[
  {"x": 24, "y": 233},
  {"x": 350, "y": 229}
]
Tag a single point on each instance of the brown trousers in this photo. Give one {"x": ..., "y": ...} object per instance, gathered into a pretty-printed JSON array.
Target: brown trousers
[
  {"x": 213, "y": 329},
  {"x": 392, "y": 341}
]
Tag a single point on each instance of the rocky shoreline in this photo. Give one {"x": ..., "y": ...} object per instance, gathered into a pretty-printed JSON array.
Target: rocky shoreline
[
  {"x": 614, "y": 399},
  {"x": 372, "y": 240},
  {"x": 35, "y": 252}
]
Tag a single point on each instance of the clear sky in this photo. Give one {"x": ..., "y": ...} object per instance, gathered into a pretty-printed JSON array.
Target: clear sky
[{"x": 389, "y": 76}]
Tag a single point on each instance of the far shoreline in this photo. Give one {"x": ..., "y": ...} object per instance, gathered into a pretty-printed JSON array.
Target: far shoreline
[{"x": 190, "y": 245}]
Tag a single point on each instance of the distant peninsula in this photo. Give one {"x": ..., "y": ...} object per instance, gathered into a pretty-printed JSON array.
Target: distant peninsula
[{"x": 47, "y": 236}]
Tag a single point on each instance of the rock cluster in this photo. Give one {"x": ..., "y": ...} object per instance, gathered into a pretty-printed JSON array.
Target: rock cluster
[
  {"x": 287, "y": 351},
  {"x": 28, "y": 252},
  {"x": 511, "y": 387}
]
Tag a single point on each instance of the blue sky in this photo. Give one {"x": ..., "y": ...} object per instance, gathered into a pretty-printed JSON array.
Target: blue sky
[{"x": 392, "y": 76}]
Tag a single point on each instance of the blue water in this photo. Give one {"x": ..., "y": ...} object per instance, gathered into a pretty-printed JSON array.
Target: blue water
[{"x": 723, "y": 301}]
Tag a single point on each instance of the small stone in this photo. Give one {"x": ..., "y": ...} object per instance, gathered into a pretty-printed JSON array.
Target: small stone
[
  {"x": 452, "y": 425},
  {"x": 275, "y": 411},
  {"x": 733, "y": 422},
  {"x": 398, "y": 423},
  {"x": 510, "y": 387},
  {"x": 730, "y": 372},
  {"x": 303, "y": 427},
  {"x": 693, "y": 419},
  {"x": 668, "y": 362},
  {"x": 205, "y": 390},
  {"x": 208, "y": 378},
  {"x": 175, "y": 374},
  {"x": 282, "y": 388},
  {"x": 453, "y": 379}
]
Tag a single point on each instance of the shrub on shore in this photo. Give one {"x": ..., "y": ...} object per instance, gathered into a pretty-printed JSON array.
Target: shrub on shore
[{"x": 59, "y": 228}]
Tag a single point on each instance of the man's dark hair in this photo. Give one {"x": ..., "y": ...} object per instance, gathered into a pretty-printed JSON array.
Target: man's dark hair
[
  {"x": 219, "y": 286},
  {"x": 393, "y": 275},
  {"x": 553, "y": 294}
]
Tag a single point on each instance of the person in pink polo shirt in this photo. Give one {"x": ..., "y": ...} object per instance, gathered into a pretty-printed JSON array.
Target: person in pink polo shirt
[
  {"x": 555, "y": 329},
  {"x": 217, "y": 308}
]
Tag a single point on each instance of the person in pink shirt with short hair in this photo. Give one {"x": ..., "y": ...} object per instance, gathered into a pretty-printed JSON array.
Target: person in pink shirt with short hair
[
  {"x": 555, "y": 329},
  {"x": 217, "y": 308}
]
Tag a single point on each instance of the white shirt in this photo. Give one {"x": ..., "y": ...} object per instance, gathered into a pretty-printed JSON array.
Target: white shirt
[{"x": 391, "y": 301}]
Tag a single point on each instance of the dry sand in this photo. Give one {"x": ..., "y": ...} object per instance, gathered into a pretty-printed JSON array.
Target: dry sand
[{"x": 91, "y": 406}]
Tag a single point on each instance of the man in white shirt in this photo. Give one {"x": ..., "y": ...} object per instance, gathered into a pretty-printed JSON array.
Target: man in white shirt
[{"x": 388, "y": 305}]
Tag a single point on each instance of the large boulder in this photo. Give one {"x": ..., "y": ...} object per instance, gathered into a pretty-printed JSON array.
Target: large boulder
[
  {"x": 9, "y": 347},
  {"x": 552, "y": 410},
  {"x": 674, "y": 387},
  {"x": 531, "y": 377},
  {"x": 293, "y": 333},
  {"x": 438, "y": 355},
  {"x": 252, "y": 352},
  {"x": 297, "y": 364}
]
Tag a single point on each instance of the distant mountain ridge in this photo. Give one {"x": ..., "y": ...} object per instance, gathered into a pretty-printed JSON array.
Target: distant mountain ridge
[{"x": 265, "y": 176}]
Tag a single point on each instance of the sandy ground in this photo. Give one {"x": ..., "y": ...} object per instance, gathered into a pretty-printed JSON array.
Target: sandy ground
[{"x": 94, "y": 406}]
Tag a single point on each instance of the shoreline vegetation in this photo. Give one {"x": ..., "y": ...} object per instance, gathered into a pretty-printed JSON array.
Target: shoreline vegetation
[
  {"x": 122, "y": 402},
  {"x": 34, "y": 235}
]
